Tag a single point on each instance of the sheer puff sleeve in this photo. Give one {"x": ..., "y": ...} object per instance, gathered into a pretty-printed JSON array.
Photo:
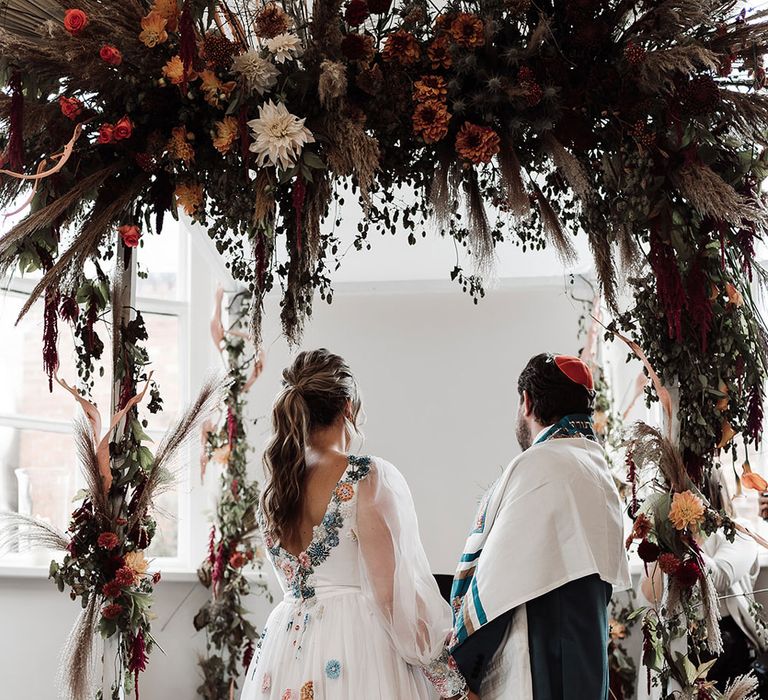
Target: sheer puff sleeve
[{"x": 396, "y": 577}]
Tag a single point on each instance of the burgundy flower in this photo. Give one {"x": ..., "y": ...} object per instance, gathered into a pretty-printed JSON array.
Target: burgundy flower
[
  {"x": 137, "y": 661},
  {"x": 156, "y": 577},
  {"x": 112, "y": 611},
  {"x": 356, "y": 13},
  {"x": 108, "y": 540},
  {"x": 112, "y": 589},
  {"x": 248, "y": 653},
  {"x": 648, "y": 551},
  {"x": 124, "y": 576},
  {"x": 358, "y": 47},
  {"x": 669, "y": 563},
  {"x": 688, "y": 574}
]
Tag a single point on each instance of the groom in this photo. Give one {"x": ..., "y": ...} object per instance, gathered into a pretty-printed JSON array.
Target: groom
[{"x": 532, "y": 588}]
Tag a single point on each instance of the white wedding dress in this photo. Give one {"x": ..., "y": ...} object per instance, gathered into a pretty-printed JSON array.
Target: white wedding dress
[{"x": 361, "y": 617}]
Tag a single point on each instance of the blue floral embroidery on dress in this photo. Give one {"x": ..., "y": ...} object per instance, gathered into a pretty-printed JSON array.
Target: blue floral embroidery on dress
[
  {"x": 333, "y": 669},
  {"x": 297, "y": 570}
]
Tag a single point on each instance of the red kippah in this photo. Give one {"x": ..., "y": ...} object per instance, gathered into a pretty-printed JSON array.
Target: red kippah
[{"x": 576, "y": 370}]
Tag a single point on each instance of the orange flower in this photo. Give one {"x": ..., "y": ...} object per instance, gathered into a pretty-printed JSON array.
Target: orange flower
[
  {"x": 189, "y": 196},
  {"x": 467, "y": 30},
  {"x": 752, "y": 480},
  {"x": 179, "y": 146},
  {"x": 111, "y": 55},
  {"x": 734, "y": 295},
  {"x": 71, "y": 107},
  {"x": 106, "y": 134},
  {"x": 618, "y": 631},
  {"x": 136, "y": 562},
  {"x": 227, "y": 132},
  {"x": 130, "y": 234},
  {"x": 221, "y": 454},
  {"x": 439, "y": 53},
  {"x": 687, "y": 511},
  {"x": 727, "y": 433},
  {"x": 169, "y": 10},
  {"x": 600, "y": 422},
  {"x": 477, "y": 144},
  {"x": 430, "y": 120},
  {"x": 444, "y": 21},
  {"x": 75, "y": 21},
  {"x": 238, "y": 560},
  {"x": 430, "y": 87},
  {"x": 344, "y": 492},
  {"x": 153, "y": 29},
  {"x": 174, "y": 71},
  {"x": 401, "y": 46},
  {"x": 214, "y": 91},
  {"x": 307, "y": 691},
  {"x": 123, "y": 129}
]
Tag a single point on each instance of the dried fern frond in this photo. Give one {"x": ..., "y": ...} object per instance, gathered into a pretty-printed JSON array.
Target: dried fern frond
[
  {"x": 77, "y": 663},
  {"x": 30, "y": 532},
  {"x": 184, "y": 430}
]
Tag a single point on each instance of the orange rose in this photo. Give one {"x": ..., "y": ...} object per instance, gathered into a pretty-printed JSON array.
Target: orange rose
[
  {"x": 75, "y": 21},
  {"x": 123, "y": 129},
  {"x": 130, "y": 234},
  {"x": 111, "y": 55},
  {"x": 237, "y": 560},
  {"x": 71, "y": 107},
  {"x": 106, "y": 134}
]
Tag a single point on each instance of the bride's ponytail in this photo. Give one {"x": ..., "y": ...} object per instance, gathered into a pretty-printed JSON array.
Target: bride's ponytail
[{"x": 317, "y": 389}]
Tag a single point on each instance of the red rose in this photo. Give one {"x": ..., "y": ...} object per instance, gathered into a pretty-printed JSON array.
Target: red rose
[
  {"x": 111, "y": 54},
  {"x": 123, "y": 129},
  {"x": 108, "y": 540},
  {"x": 75, "y": 21},
  {"x": 111, "y": 611},
  {"x": 71, "y": 107},
  {"x": 112, "y": 589},
  {"x": 237, "y": 560},
  {"x": 357, "y": 12},
  {"x": 130, "y": 234},
  {"x": 106, "y": 134}
]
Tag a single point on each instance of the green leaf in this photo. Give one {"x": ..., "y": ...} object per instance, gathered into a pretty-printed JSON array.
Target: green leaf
[
  {"x": 312, "y": 160},
  {"x": 145, "y": 458}
]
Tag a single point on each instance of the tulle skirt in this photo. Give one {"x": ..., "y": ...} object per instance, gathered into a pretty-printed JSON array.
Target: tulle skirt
[{"x": 331, "y": 647}]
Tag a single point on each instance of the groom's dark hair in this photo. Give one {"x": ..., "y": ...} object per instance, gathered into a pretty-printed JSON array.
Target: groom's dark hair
[{"x": 552, "y": 394}]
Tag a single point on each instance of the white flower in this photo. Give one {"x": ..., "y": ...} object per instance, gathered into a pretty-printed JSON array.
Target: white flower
[
  {"x": 279, "y": 136},
  {"x": 284, "y": 47},
  {"x": 259, "y": 74}
]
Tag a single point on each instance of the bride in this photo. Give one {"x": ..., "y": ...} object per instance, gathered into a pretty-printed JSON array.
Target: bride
[{"x": 361, "y": 616}]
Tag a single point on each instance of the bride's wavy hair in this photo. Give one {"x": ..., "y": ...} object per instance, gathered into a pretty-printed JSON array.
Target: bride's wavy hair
[{"x": 318, "y": 388}]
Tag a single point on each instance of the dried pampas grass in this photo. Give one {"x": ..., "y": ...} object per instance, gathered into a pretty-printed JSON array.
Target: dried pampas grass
[
  {"x": 554, "y": 228},
  {"x": 651, "y": 450},
  {"x": 352, "y": 152},
  {"x": 77, "y": 663},
  {"x": 160, "y": 476},
  {"x": 660, "y": 67},
  {"x": 517, "y": 199},
  {"x": 742, "y": 688},
  {"x": 711, "y": 196},
  {"x": 570, "y": 168},
  {"x": 24, "y": 530}
]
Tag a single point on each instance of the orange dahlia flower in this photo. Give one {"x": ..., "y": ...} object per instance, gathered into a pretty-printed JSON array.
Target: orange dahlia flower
[
  {"x": 477, "y": 144},
  {"x": 189, "y": 196},
  {"x": 169, "y": 9},
  {"x": 227, "y": 131},
  {"x": 430, "y": 87},
  {"x": 401, "y": 46},
  {"x": 468, "y": 30},
  {"x": 430, "y": 120},
  {"x": 439, "y": 53},
  {"x": 687, "y": 511},
  {"x": 179, "y": 146}
]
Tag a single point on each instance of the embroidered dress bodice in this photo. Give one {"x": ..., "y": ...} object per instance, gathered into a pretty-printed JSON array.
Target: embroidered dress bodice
[{"x": 361, "y": 615}]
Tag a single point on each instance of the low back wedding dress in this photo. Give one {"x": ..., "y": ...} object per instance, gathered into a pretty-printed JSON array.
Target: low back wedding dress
[{"x": 361, "y": 617}]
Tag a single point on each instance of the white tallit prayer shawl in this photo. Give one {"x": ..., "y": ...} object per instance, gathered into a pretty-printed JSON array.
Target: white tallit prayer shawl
[{"x": 553, "y": 517}]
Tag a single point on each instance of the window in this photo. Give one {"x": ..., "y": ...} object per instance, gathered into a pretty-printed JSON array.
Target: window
[{"x": 39, "y": 473}]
